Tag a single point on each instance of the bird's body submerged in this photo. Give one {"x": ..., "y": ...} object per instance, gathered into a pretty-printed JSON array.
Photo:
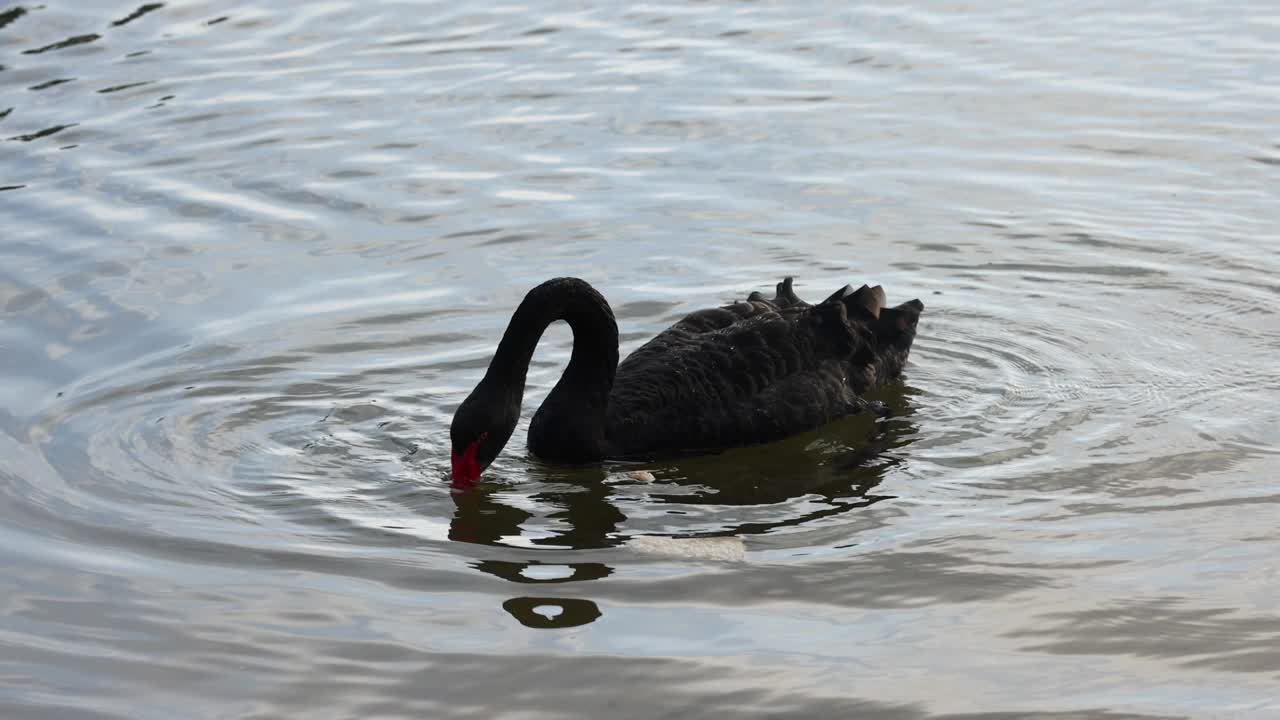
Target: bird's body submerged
[{"x": 750, "y": 372}]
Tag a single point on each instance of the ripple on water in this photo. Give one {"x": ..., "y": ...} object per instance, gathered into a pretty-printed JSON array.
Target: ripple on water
[
  {"x": 264, "y": 251},
  {"x": 221, "y": 442}
]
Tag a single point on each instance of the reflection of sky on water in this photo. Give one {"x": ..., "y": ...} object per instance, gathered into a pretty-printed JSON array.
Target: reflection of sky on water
[{"x": 252, "y": 257}]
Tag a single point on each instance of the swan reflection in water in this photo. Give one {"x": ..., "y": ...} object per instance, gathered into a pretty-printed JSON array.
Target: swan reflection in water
[{"x": 842, "y": 465}]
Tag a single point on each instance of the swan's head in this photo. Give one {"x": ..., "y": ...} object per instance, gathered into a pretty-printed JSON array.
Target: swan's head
[{"x": 481, "y": 427}]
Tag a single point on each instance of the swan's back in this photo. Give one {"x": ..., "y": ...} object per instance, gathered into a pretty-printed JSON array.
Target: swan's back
[{"x": 756, "y": 371}]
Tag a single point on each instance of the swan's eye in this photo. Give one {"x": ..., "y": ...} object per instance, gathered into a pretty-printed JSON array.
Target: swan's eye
[{"x": 483, "y": 436}]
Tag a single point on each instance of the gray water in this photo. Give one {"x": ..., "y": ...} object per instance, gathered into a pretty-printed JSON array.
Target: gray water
[{"x": 254, "y": 254}]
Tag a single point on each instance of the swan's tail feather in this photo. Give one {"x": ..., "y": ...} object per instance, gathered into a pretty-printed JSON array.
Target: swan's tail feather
[
  {"x": 786, "y": 296},
  {"x": 870, "y": 299},
  {"x": 840, "y": 294},
  {"x": 878, "y": 293}
]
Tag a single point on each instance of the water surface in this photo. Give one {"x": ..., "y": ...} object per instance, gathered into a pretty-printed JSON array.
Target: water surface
[{"x": 254, "y": 254}]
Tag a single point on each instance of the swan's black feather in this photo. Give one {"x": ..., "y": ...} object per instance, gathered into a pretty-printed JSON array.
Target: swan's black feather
[{"x": 749, "y": 372}]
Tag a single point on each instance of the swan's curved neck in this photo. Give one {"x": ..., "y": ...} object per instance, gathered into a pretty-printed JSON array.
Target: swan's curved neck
[{"x": 571, "y": 419}]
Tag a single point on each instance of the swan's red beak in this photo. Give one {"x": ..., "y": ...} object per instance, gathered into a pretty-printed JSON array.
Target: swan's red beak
[{"x": 466, "y": 471}]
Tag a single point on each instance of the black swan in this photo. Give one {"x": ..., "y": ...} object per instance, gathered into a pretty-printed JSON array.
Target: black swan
[{"x": 751, "y": 372}]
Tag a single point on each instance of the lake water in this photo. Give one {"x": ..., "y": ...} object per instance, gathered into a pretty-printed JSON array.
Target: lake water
[{"x": 254, "y": 254}]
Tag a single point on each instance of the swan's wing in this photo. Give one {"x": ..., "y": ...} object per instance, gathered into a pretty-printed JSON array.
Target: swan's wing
[
  {"x": 768, "y": 375},
  {"x": 756, "y": 304}
]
